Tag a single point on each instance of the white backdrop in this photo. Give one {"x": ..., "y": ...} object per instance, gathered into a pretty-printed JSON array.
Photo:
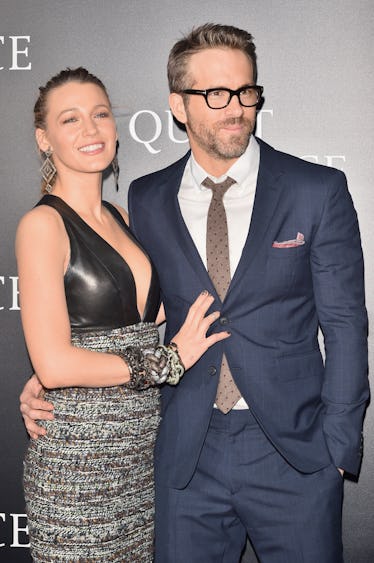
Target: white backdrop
[{"x": 316, "y": 64}]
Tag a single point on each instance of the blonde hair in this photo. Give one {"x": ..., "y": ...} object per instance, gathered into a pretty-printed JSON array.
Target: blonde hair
[{"x": 79, "y": 74}]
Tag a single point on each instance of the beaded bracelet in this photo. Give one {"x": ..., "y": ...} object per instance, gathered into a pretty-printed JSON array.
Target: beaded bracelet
[
  {"x": 157, "y": 364},
  {"x": 140, "y": 376},
  {"x": 153, "y": 366}
]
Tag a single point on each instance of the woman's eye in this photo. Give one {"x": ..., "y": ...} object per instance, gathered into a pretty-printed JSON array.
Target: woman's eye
[
  {"x": 102, "y": 114},
  {"x": 70, "y": 120}
]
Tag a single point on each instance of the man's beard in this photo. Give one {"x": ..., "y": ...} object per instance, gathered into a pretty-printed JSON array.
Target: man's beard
[{"x": 210, "y": 141}]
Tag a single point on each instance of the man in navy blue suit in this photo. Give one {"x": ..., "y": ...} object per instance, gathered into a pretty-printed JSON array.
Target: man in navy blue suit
[{"x": 269, "y": 463}]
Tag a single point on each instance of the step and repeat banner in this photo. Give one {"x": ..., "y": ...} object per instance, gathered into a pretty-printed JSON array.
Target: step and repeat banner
[{"x": 316, "y": 65}]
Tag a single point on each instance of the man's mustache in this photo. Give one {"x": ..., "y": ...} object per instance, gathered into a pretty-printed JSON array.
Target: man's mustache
[{"x": 234, "y": 121}]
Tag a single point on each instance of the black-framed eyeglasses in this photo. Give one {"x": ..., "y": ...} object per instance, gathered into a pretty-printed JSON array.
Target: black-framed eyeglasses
[{"x": 219, "y": 98}]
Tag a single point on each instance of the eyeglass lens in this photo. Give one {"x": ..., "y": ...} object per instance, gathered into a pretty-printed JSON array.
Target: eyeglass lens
[{"x": 220, "y": 98}]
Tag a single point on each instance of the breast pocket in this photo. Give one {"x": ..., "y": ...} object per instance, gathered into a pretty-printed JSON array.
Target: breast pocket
[
  {"x": 291, "y": 253},
  {"x": 287, "y": 267}
]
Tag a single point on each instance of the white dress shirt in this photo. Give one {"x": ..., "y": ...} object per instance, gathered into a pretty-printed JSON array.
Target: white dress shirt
[{"x": 194, "y": 200}]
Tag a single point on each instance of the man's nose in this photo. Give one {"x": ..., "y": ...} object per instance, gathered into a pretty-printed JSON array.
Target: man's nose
[{"x": 234, "y": 107}]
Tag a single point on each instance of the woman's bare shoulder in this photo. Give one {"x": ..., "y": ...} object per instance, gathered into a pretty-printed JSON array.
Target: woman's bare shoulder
[{"x": 40, "y": 222}]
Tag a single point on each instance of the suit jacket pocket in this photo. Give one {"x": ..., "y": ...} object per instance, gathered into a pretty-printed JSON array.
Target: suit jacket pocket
[
  {"x": 300, "y": 365},
  {"x": 292, "y": 253}
]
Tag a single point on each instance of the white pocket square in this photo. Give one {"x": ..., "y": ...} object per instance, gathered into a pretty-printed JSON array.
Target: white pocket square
[{"x": 298, "y": 241}]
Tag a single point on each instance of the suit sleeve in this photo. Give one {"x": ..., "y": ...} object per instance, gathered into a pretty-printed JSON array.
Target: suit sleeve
[{"x": 338, "y": 281}]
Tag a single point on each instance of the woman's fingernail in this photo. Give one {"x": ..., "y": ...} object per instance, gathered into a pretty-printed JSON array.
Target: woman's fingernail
[{"x": 204, "y": 292}]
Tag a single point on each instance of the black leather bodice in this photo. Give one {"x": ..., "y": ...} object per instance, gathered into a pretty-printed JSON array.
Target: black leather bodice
[{"x": 99, "y": 285}]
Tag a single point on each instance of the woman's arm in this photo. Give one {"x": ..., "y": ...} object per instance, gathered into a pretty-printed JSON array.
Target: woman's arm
[
  {"x": 42, "y": 250},
  {"x": 161, "y": 317}
]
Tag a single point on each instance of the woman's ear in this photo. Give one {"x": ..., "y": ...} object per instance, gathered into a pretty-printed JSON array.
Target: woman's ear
[
  {"x": 41, "y": 139},
  {"x": 176, "y": 103}
]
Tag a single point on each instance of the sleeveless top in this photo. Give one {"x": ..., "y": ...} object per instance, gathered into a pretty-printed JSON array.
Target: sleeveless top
[{"x": 99, "y": 284}]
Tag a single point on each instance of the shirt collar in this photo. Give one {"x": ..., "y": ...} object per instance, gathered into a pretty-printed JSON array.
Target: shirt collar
[{"x": 241, "y": 169}]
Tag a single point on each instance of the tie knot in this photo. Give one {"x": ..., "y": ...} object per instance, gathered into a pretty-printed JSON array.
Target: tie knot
[{"x": 218, "y": 188}]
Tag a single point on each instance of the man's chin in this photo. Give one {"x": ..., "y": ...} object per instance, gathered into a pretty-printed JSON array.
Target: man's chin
[{"x": 232, "y": 151}]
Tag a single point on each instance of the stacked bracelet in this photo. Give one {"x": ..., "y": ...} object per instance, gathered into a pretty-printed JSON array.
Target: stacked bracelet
[
  {"x": 140, "y": 377},
  {"x": 153, "y": 366},
  {"x": 157, "y": 364},
  {"x": 177, "y": 368}
]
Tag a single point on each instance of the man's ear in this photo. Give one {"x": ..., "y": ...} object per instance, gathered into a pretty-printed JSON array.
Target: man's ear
[
  {"x": 176, "y": 103},
  {"x": 42, "y": 140}
]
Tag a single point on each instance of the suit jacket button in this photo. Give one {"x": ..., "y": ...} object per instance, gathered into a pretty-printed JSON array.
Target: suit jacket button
[
  {"x": 223, "y": 321},
  {"x": 212, "y": 370}
]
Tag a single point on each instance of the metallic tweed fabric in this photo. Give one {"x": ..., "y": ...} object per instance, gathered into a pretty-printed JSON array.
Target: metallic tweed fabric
[{"x": 89, "y": 482}]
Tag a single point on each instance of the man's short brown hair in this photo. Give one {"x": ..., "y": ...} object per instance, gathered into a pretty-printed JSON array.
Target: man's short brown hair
[{"x": 207, "y": 36}]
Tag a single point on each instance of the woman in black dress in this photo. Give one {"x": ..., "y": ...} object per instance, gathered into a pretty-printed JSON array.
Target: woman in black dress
[{"x": 90, "y": 303}]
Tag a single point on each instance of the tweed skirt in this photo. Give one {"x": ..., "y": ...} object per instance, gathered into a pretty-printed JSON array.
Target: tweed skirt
[{"x": 89, "y": 482}]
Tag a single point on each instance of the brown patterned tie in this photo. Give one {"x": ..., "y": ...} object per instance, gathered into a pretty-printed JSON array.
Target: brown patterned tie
[{"x": 218, "y": 261}]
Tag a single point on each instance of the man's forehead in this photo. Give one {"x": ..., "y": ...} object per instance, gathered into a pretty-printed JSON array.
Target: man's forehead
[{"x": 220, "y": 62}]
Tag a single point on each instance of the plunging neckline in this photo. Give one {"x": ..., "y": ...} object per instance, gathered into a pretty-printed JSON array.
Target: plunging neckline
[{"x": 125, "y": 228}]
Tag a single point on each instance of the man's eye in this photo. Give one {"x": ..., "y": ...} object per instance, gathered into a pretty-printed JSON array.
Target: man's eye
[{"x": 217, "y": 93}]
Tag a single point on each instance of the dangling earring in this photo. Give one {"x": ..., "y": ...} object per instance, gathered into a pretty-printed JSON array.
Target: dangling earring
[
  {"x": 48, "y": 170},
  {"x": 115, "y": 169}
]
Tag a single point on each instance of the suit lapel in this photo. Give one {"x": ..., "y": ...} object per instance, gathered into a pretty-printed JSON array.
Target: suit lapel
[
  {"x": 268, "y": 192},
  {"x": 180, "y": 232}
]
